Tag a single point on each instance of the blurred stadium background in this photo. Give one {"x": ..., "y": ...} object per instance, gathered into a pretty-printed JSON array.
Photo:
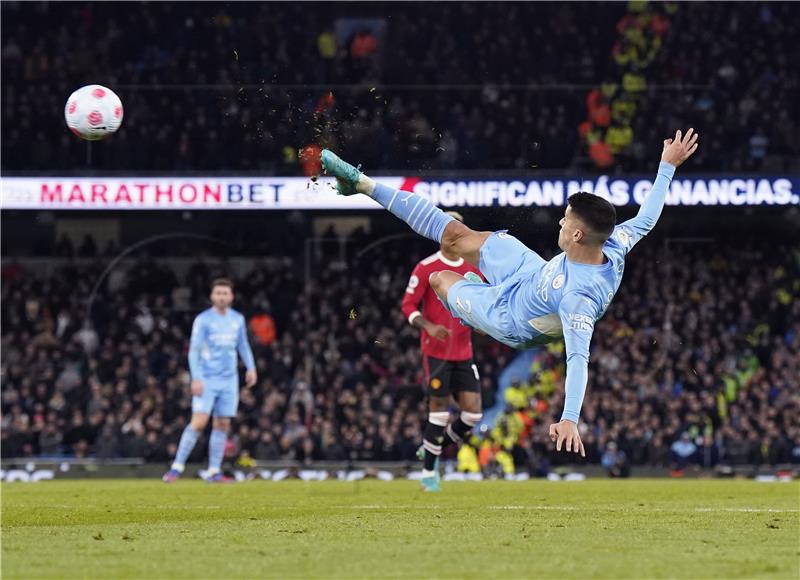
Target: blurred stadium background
[{"x": 695, "y": 367}]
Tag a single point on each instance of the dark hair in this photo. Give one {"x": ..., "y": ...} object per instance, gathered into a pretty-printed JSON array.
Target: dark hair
[
  {"x": 595, "y": 212},
  {"x": 221, "y": 282}
]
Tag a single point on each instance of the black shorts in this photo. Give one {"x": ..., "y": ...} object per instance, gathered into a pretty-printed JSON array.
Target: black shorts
[{"x": 446, "y": 377}]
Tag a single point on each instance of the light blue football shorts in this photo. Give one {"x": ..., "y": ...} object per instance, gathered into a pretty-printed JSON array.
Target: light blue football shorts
[
  {"x": 503, "y": 260},
  {"x": 220, "y": 397}
]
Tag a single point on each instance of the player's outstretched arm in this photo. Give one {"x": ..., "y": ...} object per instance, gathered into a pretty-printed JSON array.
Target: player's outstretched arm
[
  {"x": 417, "y": 211},
  {"x": 577, "y": 313},
  {"x": 675, "y": 152}
]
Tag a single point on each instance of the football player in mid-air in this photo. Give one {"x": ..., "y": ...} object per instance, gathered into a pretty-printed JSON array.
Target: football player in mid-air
[
  {"x": 217, "y": 335},
  {"x": 528, "y": 300}
]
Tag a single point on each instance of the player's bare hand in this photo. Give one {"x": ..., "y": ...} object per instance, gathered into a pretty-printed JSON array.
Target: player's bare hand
[
  {"x": 250, "y": 378},
  {"x": 197, "y": 387},
  {"x": 437, "y": 331},
  {"x": 680, "y": 148},
  {"x": 566, "y": 434}
]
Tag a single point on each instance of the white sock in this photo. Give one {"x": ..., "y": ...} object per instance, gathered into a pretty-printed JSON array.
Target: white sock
[
  {"x": 178, "y": 467},
  {"x": 428, "y": 473},
  {"x": 212, "y": 471}
]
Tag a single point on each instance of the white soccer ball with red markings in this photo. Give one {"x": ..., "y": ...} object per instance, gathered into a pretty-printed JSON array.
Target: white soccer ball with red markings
[{"x": 93, "y": 112}]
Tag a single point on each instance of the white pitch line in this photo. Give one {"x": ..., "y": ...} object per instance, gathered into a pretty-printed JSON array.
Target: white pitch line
[
  {"x": 565, "y": 508},
  {"x": 643, "y": 508},
  {"x": 97, "y": 507}
]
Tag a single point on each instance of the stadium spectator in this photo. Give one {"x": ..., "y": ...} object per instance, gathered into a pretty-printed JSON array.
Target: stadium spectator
[
  {"x": 237, "y": 105},
  {"x": 683, "y": 451},
  {"x": 615, "y": 461}
]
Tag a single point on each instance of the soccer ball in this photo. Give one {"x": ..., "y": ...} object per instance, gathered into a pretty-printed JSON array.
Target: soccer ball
[{"x": 93, "y": 112}]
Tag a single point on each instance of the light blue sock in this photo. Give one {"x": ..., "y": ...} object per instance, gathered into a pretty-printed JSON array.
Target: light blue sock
[
  {"x": 424, "y": 218},
  {"x": 188, "y": 440},
  {"x": 216, "y": 449}
]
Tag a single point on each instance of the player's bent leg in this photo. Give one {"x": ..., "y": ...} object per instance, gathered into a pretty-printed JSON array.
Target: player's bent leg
[
  {"x": 464, "y": 241},
  {"x": 442, "y": 281}
]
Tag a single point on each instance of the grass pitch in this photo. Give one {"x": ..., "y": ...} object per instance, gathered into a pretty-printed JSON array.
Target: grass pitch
[{"x": 599, "y": 529}]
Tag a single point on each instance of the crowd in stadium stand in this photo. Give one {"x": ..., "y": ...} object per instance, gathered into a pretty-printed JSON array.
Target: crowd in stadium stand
[
  {"x": 695, "y": 364},
  {"x": 522, "y": 86}
]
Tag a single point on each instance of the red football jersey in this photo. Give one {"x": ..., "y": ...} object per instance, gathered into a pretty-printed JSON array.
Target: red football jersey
[{"x": 458, "y": 346}]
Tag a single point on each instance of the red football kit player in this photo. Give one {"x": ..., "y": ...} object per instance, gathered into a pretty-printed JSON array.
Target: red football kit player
[{"x": 446, "y": 346}]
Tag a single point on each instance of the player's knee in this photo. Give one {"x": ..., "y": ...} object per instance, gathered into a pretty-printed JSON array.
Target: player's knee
[
  {"x": 222, "y": 423},
  {"x": 437, "y": 283},
  {"x": 471, "y": 418},
  {"x": 438, "y": 404},
  {"x": 199, "y": 421},
  {"x": 453, "y": 234}
]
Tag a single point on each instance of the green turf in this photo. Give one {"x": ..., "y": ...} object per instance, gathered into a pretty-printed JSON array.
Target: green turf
[{"x": 599, "y": 529}]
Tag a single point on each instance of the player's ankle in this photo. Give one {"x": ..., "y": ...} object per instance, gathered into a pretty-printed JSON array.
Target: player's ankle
[
  {"x": 179, "y": 467},
  {"x": 365, "y": 185}
]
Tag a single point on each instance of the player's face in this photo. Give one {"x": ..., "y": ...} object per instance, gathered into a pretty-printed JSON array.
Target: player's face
[
  {"x": 569, "y": 225},
  {"x": 221, "y": 297}
]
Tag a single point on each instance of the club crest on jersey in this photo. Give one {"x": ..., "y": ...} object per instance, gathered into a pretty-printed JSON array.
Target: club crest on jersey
[{"x": 558, "y": 281}]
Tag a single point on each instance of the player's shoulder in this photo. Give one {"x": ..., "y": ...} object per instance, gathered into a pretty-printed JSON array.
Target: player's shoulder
[
  {"x": 204, "y": 314},
  {"x": 236, "y": 314},
  {"x": 621, "y": 239}
]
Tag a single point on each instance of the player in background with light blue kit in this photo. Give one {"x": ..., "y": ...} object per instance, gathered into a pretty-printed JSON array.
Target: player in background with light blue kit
[
  {"x": 217, "y": 335},
  {"x": 530, "y": 301}
]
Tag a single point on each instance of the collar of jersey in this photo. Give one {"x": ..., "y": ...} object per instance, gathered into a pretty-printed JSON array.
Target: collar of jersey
[{"x": 454, "y": 263}]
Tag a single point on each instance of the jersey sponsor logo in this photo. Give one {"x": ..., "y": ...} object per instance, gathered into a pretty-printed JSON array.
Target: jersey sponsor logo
[
  {"x": 558, "y": 281},
  {"x": 504, "y": 236},
  {"x": 581, "y": 322},
  {"x": 465, "y": 306}
]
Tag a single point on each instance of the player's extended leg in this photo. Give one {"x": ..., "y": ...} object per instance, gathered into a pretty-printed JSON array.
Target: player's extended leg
[
  {"x": 189, "y": 438},
  {"x": 418, "y": 212}
]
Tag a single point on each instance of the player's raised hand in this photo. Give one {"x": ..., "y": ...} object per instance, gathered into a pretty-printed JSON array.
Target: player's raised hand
[
  {"x": 250, "y": 378},
  {"x": 197, "y": 388},
  {"x": 437, "y": 331},
  {"x": 566, "y": 434},
  {"x": 680, "y": 148}
]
